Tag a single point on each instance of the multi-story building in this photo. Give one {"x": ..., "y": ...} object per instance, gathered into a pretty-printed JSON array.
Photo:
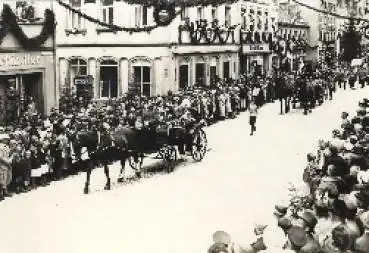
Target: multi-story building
[
  {"x": 27, "y": 54},
  {"x": 356, "y": 9},
  {"x": 294, "y": 30},
  {"x": 258, "y": 27},
  {"x": 323, "y": 31},
  {"x": 198, "y": 44}
]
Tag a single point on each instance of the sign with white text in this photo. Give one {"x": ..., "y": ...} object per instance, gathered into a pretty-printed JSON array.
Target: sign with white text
[{"x": 14, "y": 61}]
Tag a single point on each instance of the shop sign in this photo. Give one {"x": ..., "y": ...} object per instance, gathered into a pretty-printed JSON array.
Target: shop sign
[
  {"x": 20, "y": 60},
  {"x": 256, "y": 48}
]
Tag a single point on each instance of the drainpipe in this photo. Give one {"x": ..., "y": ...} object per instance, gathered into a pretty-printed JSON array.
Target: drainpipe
[{"x": 56, "y": 99}]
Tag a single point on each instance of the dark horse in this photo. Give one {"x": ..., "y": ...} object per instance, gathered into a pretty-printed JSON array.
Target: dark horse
[{"x": 104, "y": 147}]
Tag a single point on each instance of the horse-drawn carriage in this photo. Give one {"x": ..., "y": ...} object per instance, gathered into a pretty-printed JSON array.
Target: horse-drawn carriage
[
  {"x": 124, "y": 143},
  {"x": 168, "y": 141}
]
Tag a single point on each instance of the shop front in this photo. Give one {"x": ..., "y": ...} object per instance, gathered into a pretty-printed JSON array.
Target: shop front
[
  {"x": 200, "y": 66},
  {"x": 256, "y": 59},
  {"x": 25, "y": 77}
]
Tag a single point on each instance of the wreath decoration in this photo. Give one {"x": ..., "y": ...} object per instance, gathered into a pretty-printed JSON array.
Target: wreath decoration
[
  {"x": 164, "y": 13},
  {"x": 9, "y": 23}
]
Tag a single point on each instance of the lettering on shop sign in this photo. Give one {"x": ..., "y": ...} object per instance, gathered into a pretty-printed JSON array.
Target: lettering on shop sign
[
  {"x": 256, "y": 48},
  {"x": 16, "y": 60}
]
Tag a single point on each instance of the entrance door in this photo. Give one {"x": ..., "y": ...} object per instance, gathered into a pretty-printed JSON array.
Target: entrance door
[
  {"x": 200, "y": 74},
  {"x": 226, "y": 69},
  {"x": 109, "y": 81},
  {"x": 32, "y": 86},
  {"x": 183, "y": 77}
]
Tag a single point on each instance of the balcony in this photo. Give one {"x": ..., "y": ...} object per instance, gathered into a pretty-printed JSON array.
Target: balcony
[
  {"x": 204, "y": 32},
  {"x": 257, "y": 37}
]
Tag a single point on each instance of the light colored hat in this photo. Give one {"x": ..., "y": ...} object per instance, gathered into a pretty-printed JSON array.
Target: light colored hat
[{"x": 222, "y": 237}]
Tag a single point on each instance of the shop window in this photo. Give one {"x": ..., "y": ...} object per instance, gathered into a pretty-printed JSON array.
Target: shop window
[
  {"x": 140, "y": 16},
  {"x": 141, "y": 80},
  {"x": 227, "y": 15},
  {"x": 107, "y": 11},
  {"x": 25, "y": 11},
  {"x": 77, "y": 67},
  {"x": 108, "y": 79}
]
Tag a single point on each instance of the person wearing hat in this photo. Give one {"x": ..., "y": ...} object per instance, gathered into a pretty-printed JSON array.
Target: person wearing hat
[
  {"x": 297, "y": 238},
  {"x": 222, "y": 243},
  {"x": 5, "y": 165},
  {"x": 337, "y": 242},
  {"x": 362, "y": 243}
]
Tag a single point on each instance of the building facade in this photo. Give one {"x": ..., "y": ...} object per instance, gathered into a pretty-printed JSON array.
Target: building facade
[
  {"x": 323, "y": 32},
  {"x": 196, "y": 46},
  {"x": 294, "y": 30},
  {"x": 27, "y": 65},
  {"x": 258, "y": 26}
]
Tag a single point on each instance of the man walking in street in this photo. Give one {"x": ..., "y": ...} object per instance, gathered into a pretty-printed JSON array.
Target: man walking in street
[{"x": 253, "y": 111}]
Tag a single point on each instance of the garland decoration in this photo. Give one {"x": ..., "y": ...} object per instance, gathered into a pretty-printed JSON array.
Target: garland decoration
[
  {"x": 9, "y": 23},
  {"x": 330, "y": 13},
  {"x": 159, "y": 8},
  {"x": 208, "y": 34},
  {"x": 182, "y": 3},
  {"x": 164, "y": 13}
]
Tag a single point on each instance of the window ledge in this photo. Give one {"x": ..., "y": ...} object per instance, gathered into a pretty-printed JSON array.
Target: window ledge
[
  {"x": 75, "y": 31},
  {"x": 105, "y": 30}
]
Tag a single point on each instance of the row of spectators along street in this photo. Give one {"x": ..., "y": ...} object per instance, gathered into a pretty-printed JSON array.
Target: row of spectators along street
[
  {"x": 330, "y": 213},
  {"x": 40, "y": 149}
]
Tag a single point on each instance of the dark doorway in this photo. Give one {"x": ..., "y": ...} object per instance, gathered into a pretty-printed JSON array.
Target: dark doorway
[
  {"x": 213, "y": 72},
  {"x": 226, "y": 69},
  {"x": 183, "y": 77},
  {"x": 32, "y": 84},
  {"x": 109, "y": 81},
  {"x": 200, "y": 74}
]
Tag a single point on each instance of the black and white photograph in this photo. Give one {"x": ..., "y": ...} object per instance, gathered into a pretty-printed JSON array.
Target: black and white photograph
[{"x": 177, "y": 126}]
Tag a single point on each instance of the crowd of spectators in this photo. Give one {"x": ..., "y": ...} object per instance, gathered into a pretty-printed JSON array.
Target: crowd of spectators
[
  {"x": 40, "y": 147},
  {"x": 330, "y": 213}
]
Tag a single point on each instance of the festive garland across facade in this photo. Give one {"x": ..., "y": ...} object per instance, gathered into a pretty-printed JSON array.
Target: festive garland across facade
[
  {"x": 9, "y": 24},
  {"x": 180, "y": 3}
]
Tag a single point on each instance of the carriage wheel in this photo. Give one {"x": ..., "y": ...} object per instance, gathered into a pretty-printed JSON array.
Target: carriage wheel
[{"x": 199, "y": 145}]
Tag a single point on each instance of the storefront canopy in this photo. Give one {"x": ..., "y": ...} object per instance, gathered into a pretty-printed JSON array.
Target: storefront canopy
[{"x": 356, "y": 62}]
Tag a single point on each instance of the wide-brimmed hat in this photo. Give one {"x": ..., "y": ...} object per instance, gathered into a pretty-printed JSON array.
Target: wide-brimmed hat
[
  {"x": 284, "y": 223},
  {"x": 222, "y": 237},
  {"x": 363, "y": 195},
  {"x": 329, "y": 187},
  {"x": 297, "y": 236},
  {"x": 309, "y": 218},
  {"x": 280, "y": 210}
]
